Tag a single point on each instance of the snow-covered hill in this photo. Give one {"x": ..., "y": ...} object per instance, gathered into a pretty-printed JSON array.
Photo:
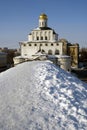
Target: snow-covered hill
[{"x": 40, "y": 96}]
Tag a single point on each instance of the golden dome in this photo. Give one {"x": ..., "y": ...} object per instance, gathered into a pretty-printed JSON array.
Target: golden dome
[{"x": 43, "y": 16}]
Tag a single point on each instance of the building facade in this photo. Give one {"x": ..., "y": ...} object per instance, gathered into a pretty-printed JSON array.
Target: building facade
[
  {"x": 72, "y": 50},
  {"x": 45, "y": 40},
  {"x": 42, "y": 38}
]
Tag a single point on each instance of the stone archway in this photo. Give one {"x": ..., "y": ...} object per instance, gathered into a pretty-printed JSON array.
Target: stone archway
[
  {"x": 50, "y": 52},
  {"x": 56, "y": 52}
]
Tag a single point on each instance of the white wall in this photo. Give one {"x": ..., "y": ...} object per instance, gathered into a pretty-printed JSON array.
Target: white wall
[
  {"x": 27, "y": 50},
  {"x": 42, "y": 33},
  {"x": 65, "y": 63}
]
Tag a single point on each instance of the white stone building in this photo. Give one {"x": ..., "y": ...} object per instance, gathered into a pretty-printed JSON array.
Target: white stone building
[{"x": 42, "y": 39}]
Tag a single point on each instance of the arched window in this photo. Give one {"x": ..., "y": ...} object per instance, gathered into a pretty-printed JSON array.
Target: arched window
[
  {"x": 37, "y": 38},
  {"x": 56, "y": 52},
  {"x": 45, "y": 37},
  {"x": 45, "y": 24},
  {"x": 50, "y": 52},
  {"x": 41, "y": 38}
]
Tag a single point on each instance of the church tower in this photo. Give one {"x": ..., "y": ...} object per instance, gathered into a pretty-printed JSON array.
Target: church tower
[{"x": 43, "y": 20}]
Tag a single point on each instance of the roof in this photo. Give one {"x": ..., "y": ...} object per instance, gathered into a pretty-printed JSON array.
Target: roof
[{"x": 45, "y": 28}]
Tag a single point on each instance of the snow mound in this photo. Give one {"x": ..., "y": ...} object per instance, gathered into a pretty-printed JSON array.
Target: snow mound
[{"x": 40, "y": 96}]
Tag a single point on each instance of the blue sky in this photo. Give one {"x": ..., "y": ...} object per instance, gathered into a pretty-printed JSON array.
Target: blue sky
[{"x": 19, "y": 17}]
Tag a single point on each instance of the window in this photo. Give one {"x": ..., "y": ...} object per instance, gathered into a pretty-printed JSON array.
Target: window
[
  {"x": 35, "y": 44},
  {"x": 45, "y": 37},
  {"x": 57, "y": 44},
  {"x": 24, "y": 44},
  {"x": 46, "y": 44},
  {"x": 50, "y": 52},
  {"x": 41, "y": 38},
  {"x": 51, "y": 44},
  {"x": 29, "y": 44},
  {"x": 40, "y": 44},
  {"x": 56, "y": 52},
  {"x": 37, "y": 38}
]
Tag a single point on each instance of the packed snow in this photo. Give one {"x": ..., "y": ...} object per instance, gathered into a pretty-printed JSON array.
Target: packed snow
[{"x": 38, "y": 95}]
